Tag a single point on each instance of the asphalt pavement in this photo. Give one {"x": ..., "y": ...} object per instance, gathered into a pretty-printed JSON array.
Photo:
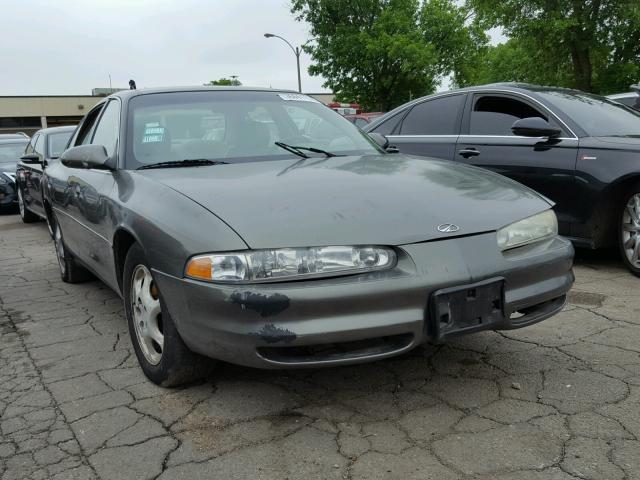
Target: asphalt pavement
[{"x": 556, "y": 401}]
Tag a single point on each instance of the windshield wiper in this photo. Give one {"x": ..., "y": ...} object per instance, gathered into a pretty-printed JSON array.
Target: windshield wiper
[
  {"x": 298, "y": 150},
  {"x": 189, "y": 162}
]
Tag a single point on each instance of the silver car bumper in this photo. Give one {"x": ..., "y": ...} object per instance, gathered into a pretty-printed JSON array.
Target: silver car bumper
[{"x": 367, "y": 317}]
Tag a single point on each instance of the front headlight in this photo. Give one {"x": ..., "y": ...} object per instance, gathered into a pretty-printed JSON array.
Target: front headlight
[
  {"x": 529, "y": 230},
  {"x": 288, "y": 263}
]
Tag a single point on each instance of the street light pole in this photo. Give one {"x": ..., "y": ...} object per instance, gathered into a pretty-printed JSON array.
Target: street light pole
[{"x": 296, "y": 51}]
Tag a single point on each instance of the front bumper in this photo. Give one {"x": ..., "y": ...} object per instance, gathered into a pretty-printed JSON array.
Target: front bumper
[{"x": 364, "y": 317}]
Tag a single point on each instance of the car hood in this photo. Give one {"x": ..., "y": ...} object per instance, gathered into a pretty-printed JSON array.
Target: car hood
[{"x": 381, "y": 199}]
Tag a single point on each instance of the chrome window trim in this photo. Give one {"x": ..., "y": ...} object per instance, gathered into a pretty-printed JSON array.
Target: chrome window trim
[
  {"x": 482, "y": 92},
  {"x": 476, "y": 136}
]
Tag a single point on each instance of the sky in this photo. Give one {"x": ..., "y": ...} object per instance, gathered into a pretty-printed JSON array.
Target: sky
[{"x": 68, "y": 47}]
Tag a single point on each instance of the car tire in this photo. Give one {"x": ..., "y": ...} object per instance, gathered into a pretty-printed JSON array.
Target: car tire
[
  {"x": 70, "y": 271},
  {"x": 162, "y": 354},
  {"x": 629, "y": 230},
  {"x": 26, "y": 215}
]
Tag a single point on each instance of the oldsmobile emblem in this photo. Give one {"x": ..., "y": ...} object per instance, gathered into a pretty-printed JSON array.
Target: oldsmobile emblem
[{"x": 448, "y": 228}]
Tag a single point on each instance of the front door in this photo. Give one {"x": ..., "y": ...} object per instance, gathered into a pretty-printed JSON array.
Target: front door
[{"x": 544, "y": 165}]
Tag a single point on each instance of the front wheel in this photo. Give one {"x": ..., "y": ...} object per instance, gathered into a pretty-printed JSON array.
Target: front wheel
[
  {"x": 162, "y": 355},
  {"x": 629, "y": 233},
  {"x": 26, "y": 215}
]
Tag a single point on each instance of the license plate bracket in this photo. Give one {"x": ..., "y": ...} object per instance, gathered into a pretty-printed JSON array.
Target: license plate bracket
[{"x": 466, "y": 308}]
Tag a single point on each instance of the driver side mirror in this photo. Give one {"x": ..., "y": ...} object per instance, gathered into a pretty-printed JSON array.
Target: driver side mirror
[
  {"x": 87, "y": 156},
  {"x": 383, "y": 142},
  {"x": 534, "y": 127},
  {"x": 30, "y": 158}
]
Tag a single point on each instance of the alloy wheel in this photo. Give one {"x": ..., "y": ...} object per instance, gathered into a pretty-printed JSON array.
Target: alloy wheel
[
  {"x": 147, "y": 314},
  {"x": 59, "y": 245},
  {"x": 631, "y": 230}
]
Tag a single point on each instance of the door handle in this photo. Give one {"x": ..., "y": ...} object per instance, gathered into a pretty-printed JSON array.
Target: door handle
[{"x": 469, "y": 152}]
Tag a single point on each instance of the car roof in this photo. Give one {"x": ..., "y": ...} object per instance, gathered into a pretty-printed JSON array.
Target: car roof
[
  {"x": 507, "y": 87},
  {"x": 65, "y": 128},
  {"x": 8, "y": 141},
  {"x": 127, "y": 94}
]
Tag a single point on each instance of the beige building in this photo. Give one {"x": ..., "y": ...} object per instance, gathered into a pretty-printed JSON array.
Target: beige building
[{"x": 30, "y": 113}]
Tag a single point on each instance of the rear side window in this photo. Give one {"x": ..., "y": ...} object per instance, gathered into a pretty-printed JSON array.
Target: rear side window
[
  {"x": 388, "y": 126},
  {"x": 440, "y": 116},
  {"x": 495, "y": 115},
  {"x": 57, "y": 143}
]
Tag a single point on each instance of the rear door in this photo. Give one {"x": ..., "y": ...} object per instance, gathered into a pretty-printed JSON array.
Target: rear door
[
  {"x": 430, "y": 128},
  {"x": 545, "y": 165}
]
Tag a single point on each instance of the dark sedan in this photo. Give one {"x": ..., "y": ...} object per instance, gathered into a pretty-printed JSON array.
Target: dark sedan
[
  {"x": 580, "y": 150},
  {"x": 45, "y": 147},
  {"x": 261, "y": 228},
  {"x": 11, "y": 148}
]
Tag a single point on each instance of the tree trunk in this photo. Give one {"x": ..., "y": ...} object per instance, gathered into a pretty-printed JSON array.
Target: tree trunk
[{"x": 582, "y": 70}]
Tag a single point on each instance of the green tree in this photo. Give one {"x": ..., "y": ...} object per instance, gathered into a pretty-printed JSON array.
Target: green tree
[
  {"x": 381, "y": 53},
  {"x": 517, "y": 61},
  {"x": 225, "y": 82},
  {"x": 592, "y": 45}
]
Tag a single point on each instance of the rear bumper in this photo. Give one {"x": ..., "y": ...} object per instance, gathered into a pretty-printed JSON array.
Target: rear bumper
[{"x": 365, "y": 317}]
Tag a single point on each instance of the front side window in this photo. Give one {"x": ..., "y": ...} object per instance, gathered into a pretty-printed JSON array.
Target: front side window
[
  {"x": 32, "y": 142},
  {"x": 596, "y": 115},
  {"x": 495, "y": 115},
  {"x": 38, "y": 148},
  {"x": 84, "y": 134},
  {"x": 439, "y": 116},
  {"x": 234, "y": 127},
  {"x": 57, "y": 143},
  {"x": 106, "y": 133}
]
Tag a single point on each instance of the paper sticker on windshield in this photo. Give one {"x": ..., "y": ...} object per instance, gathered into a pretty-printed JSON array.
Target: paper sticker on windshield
[
  {"x": 297, "y": 97},
  {"x": 153, "y": 133}
]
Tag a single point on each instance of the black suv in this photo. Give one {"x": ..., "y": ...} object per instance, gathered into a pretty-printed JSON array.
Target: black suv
[{"x": 580, "y": 150}]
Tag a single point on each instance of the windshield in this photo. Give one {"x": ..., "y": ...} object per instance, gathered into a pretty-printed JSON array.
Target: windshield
[
  {"x": 235, "y": 127},
  {"x": 58, "y": 143},
  {"x": 11, "y": 152},
  {"x": 597, "y": 116}
]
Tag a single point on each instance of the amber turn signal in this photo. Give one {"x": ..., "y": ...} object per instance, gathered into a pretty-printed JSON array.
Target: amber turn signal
[{"x": 199, "y": 267}]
